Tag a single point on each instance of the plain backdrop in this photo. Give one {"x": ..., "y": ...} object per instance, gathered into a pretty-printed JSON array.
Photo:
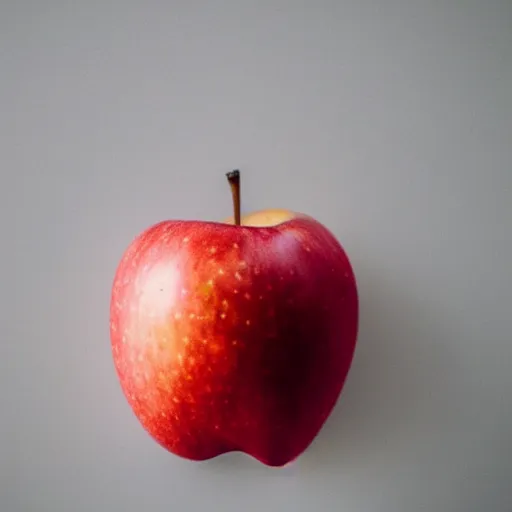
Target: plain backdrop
[{"x": 390, "y": 122}]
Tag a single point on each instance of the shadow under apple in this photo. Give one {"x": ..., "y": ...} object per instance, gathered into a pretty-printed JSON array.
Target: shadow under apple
[{"x": 401, "y": 366}]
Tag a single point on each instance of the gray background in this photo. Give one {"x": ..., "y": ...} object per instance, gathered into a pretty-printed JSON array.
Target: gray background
[{"x": 390, "y": 122}]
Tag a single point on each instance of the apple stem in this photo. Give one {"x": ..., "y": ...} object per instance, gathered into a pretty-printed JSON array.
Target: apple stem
[{"x": 234, "y": 182}]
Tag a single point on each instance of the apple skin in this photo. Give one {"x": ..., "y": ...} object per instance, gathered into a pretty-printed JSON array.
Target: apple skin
[{"x": 234, "y": 338}]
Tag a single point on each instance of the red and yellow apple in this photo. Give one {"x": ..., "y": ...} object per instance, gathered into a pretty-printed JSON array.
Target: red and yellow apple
[{"x": 234, "y": 335}]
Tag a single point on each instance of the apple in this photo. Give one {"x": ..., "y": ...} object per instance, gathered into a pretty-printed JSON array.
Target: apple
[{"x": 235, "y": 335}]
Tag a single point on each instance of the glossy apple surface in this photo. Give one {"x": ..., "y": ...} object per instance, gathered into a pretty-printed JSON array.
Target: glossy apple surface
[{"x": 232, "y": 337}]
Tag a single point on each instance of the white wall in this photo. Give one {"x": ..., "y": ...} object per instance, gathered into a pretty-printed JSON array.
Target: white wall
[{"x": 390, "y": 122}]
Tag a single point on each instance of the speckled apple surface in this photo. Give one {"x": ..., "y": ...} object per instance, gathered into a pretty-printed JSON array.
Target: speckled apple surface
[{"x": 233, "y": 337}]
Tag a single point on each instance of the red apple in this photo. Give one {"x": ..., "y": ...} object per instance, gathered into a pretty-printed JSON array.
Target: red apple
[{"x": 234, "y": 337}]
